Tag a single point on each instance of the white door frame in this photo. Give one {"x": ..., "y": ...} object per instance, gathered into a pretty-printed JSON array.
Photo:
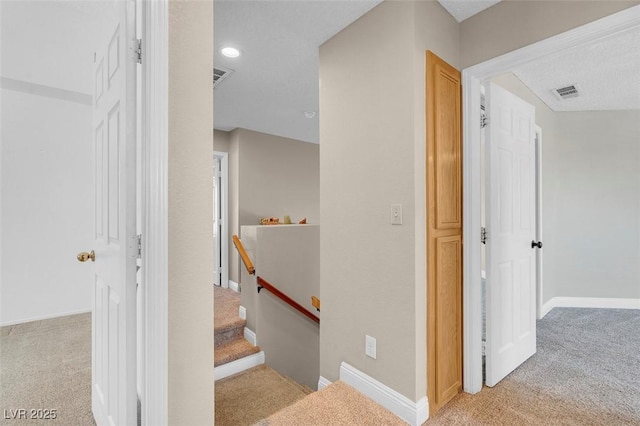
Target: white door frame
[
  {"x": 154, "y": 221},
  {"x": 538, "y": 233},
  {"x": 472, "y": 78},
  {"x": 224, "y": 232}
]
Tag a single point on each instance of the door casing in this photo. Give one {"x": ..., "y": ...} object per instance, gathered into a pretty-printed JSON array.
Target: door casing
[{"x": 472, "y": 78}]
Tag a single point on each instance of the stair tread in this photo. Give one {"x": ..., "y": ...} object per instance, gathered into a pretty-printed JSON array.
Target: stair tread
[{"x": 233, "y": 350}]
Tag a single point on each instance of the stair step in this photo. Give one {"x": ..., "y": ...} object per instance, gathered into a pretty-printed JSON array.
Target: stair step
[
  {"x": 233, "y": 350},
  {"x": 229, "y": 332}
]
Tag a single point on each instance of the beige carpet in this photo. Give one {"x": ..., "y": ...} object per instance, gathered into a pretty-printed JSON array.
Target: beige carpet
[
  {"x": 47, "y": 365},
  {"x": 226, "y": 304},
  {"x": 336, "y": 405},
  {"x": 253, "y": 395},
  {"x": 230, "y": 343}
]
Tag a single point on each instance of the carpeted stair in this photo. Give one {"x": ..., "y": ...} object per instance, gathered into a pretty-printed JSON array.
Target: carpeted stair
[
  {"x": 230, "y": 344},
  {"x": 254, "y": 394}
]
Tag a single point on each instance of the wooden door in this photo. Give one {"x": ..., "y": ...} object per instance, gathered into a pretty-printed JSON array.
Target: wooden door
[
  {"x": 113, "y": 379},
  {"x": 511, "y": 267},
  {"x": 444, "y": 232}
]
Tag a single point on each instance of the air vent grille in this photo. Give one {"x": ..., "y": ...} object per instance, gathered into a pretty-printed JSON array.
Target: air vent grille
[
  {"x": 567, "y": 92},
  {"x": 219, "y": 74}
]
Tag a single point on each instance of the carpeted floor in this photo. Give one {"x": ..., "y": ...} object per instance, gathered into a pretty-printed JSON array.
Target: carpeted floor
[
  {"x": 586, "y": 372},
  {"x": 337, "y": 404},
  {"x": 47, "y": 365},
  {"x": 253, "y": 395}
]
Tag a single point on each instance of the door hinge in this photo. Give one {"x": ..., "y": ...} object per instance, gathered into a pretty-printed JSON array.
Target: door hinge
[
  {"x": 139, "y": 50},
  {"x": 483, "y": 235},
  {"x": 484, "y": 121},
  {"x": 139, "y": 237}
]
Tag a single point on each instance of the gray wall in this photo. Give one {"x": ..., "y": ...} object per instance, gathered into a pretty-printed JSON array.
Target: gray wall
[
  {"x": 591, "y": 199},
  {"x": 372, "y": 133},
  {"x": 288, "y": 257},
  {"x": 190, "y": 207},
  {"x": 268, "y": 176}
]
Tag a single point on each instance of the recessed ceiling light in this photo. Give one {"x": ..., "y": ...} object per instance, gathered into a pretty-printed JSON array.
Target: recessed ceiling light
[
  {"x": 310, "y": 114},
  {"x": 230, "y": 52}
]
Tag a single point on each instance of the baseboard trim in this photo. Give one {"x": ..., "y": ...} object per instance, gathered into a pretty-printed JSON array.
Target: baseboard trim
[
  {"x": 238, "y": 366},
  {"x": 45, "y": 317},
  {"x": 250, "y": 336},
  {"x": 323, "y": 383},
  {"x": 414, "y": 413},
  {"x": 590, "y": 302},
  {"x": 234, "y": 286}
]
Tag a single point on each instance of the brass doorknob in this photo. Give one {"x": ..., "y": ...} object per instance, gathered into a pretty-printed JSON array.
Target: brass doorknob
[{"x": 84, "y": 256}]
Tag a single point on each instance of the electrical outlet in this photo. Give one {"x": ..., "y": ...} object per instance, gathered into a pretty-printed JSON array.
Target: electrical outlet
[
  {"x": 370, "y": 346},
  {"x": 396, "y": 214},
  {"x": 242, "y": 312}
]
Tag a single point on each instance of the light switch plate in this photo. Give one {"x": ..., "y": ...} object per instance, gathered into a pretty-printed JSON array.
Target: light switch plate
[
  {"x": 396, "y": 214},
  {"x": 370, "y": 346}
]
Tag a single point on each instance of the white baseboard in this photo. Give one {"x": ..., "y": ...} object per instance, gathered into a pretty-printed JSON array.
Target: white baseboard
[
  {"x": 44, "y": 317},
  {"x": 250, "y": 336},
  {"x": 238, "y": 366},
  {"x": 234, "y": 286},
  {"x": 589, "y": 302},
  {"x": 414, "y": 413},
  {"x": 323, "y": 383}
]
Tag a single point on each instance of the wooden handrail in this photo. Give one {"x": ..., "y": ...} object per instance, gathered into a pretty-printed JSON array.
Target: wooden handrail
[
  {"x": 268, "y": 286},
  {"x": 243, "y": 255}
]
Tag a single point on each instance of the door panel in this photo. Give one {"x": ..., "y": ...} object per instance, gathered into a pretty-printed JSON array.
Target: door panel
[
  {"x": 113, "y": 390},
  {"x": 511, "y": 290},
  {"x": 444, "y": 232}
]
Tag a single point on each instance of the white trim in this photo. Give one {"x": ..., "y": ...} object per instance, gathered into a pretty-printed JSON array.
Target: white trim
[
  {"x": 224, "y": 232},
  {"x": 234, "y": 286},
  {"x": 250, "y": 336},
  {"x": 323, "y": 382},
  {"x": 471, "y": 79},
  {"x": 590, "y": 302},
  {"x": 414, "y": 413},
  {"x": 539, "y": 253},
  {"x": 238, "y": 366},
  {"x": 45, "y": 317},
  {"x": 155, "y": 231}
]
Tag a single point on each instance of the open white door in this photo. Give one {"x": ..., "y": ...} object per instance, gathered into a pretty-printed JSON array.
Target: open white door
[
  {"x": 113, "y": 361},
  {"x": 511, "y": 267}
]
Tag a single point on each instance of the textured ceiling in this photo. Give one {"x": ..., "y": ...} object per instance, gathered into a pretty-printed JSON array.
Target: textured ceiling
[
  {"x": 463, "y": 9},
  {"x": 276, "y": 79},
  {"x": 607, "y": 74}
]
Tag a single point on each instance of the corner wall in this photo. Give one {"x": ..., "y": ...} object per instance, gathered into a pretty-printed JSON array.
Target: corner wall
[
  {"x": 270, "y": 176},
  {"x": 190, "y": 180},
  {"x": 372, "y": 155}
]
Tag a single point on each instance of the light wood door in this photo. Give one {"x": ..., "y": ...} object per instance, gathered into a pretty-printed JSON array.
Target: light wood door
[
  {"x": 113, "y": 379},
  {"x": 444, "y": 232},
  {"x": 511, "y": 262}
]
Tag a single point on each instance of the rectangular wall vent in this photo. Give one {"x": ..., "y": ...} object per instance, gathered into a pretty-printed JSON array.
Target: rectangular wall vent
[
  {"x": 219, "y": 74},
  {"x": 567, "y": 92}
]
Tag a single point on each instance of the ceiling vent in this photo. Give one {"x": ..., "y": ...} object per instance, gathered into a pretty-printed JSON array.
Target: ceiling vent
[
  {"x": 219, "y": 74},
  {"x": 567, "y": 92}
]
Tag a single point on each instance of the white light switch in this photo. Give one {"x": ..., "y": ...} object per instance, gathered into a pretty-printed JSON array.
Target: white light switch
[
  {"x": 370, "y": 346},
  {"x": 396, "y": 214}
]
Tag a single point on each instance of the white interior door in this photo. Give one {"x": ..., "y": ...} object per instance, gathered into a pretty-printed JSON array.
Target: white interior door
[
  {"x": 113, "y": 390},
  {"x": 511, "y": 268}
]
